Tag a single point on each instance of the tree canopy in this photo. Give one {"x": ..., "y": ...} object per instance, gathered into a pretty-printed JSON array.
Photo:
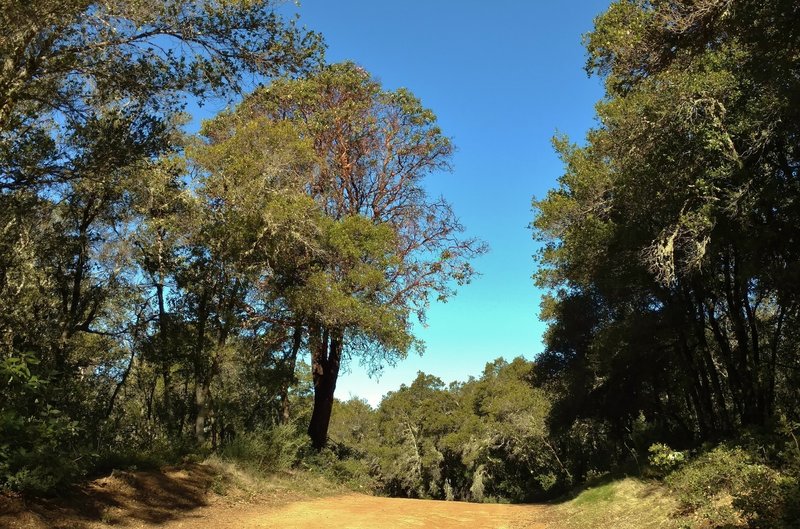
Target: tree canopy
[
  {"x": 175, "y": 294},
  {"x": 379, "y": 247},
  {"x": 96, "y": 212},
  {"x": 670, "y": 245},
  {"x": 159, "y": 288}
]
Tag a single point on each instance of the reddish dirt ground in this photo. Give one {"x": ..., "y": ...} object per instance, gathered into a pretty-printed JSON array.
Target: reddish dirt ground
[
  {"x": 369, "y": 512},
  {"x": 180, "y": 498}
]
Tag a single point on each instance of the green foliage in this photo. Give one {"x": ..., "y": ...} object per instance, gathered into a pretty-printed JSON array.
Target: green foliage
[
  {"x": 161, "y": 289},
  {"x": 665, "y": 245},
  {"x": 40, "y": 453},
  {"x": 482, "y": 440},
  {"x": 729, "y": 486},
  {"x": 267, "y": 450},
  {"x": 340, "y": 464},
  {"x": 665, "y": 250},
  {"x": 98, "y": 356},
  {"x": 664, "y": 459},
  {"x": 39, "y": 447},
  {"x": 316, "y": 184}
]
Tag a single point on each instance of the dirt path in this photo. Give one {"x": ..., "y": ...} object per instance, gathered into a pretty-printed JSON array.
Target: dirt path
[
  {"x": 182, "y": 498},
  {"x": 366, "y": 512}
]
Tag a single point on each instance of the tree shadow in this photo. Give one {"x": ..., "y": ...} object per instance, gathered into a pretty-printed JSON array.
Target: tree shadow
[{"x": 121, "y": 499}]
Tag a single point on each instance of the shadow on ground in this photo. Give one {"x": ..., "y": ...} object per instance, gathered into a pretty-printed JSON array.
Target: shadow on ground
[{"x": 121, "y": 499}]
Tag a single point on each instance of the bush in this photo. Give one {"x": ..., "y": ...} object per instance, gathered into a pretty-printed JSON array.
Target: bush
[
  {"x": 268, "y": 450},
  {"x": 39, "y": 448},
  {"x": 39, "y": 454},
  {"x": 729, "y": 487},
  {"x": 764, "y": 497},
  {"x": 664, "y": 459},
  {"x": 343, "y": 466}
]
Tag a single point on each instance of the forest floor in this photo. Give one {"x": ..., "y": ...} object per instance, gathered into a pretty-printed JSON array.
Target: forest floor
[{"x": 221, "y": 497}]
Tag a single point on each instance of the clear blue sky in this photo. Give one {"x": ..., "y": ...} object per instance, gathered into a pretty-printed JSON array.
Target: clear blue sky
[{"x": 502, "y": 77}]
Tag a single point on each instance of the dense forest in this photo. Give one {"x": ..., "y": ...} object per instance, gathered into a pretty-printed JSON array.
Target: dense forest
[
  {"x": 158, "y": 287},
  {"x": 167, "y": 294}
]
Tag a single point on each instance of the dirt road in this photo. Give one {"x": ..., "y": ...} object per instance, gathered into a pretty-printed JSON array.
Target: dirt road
[
  {"x": 181, "y": 498},
  {"x": 366, "y": 512}
]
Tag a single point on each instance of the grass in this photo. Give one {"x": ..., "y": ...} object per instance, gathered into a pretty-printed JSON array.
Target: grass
[
  {"x": 241, "y": 483},
  {"x": 624, "y": 504},
  {"x": 600, "y": 495}
]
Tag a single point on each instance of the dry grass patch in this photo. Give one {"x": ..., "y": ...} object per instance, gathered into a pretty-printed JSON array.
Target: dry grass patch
[
  {"x": 626, "y": 504},
  {"x": 238, "y": 484}
]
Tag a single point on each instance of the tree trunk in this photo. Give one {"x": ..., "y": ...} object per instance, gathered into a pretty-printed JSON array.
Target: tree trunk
[
  {"x": 165, "y": 356},
  {"x": 164, "y": 359},
  {"x": 326, "y": 355},
  {"x": 201, "y": 399},
  {"x": 201, "y": 388},
  {"x": 291, "y": 362}
]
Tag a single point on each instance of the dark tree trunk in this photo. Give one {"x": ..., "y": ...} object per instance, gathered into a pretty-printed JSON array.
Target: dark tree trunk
[
  {"x": 697, "y": 320},
  {"x": 291, "y": 362},
  {"x": 118, "y": 387},
  {"x": 165, "y": 356},
  {"x": 326, "y": 356},
  {"x": 201, "y": 388}
]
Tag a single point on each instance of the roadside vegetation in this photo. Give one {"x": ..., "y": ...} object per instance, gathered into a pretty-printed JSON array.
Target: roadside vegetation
[
  {"x": 159, "y": 288},
  {"x": 170, "y": 297},
  {"x": 624, "y": 503}
]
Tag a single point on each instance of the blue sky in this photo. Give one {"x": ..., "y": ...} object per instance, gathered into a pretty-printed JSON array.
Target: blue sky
[{"x": 502, "y": 77}]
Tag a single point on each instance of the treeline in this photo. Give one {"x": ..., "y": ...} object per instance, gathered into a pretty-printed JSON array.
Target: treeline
[
  {"x": 481, "y": 440},
  {"x": 158, "y": 288},
  {"x": 671, "y": 244},
  {"x": 670, "y": 247}
]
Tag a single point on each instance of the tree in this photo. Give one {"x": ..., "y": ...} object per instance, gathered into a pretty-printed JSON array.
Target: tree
[
  {"x": 411, "y": 423},
  {"x": 674, "y": 229},
  {"x": 383, "y": 247},
  {"x": 90, "y": 96},
  {"x": 482, "y": 439},
  {"x": 253, "y": 227}
]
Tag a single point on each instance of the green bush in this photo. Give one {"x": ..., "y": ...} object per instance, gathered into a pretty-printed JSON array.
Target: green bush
[
  {"x": 267, "y": 450},
  {"x": 764, "y": 496},
  {"x": 353, "y": 473},
  {"x": 351, "y": 469},
  {"x": 39, "y": 444},
  {"x": 730, "y": 487},
  {"x": 39, "y": 454},
  {"x": 664, "y": 459}
]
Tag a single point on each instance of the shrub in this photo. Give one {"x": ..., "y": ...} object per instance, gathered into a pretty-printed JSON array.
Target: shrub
[
  {"x": 764, "y": 496},
  {"x": 449, "y": 493},
  {"x": 729, "y": 487},
  {"x": 476, "y": 491},
  {"x": 343, "y": 466},
  {"x": 38, "y": 454},
  {"x": 39, "y": 444},
  {"x": 664, "y": 459},
  {"x": 268, "y": 450}
]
